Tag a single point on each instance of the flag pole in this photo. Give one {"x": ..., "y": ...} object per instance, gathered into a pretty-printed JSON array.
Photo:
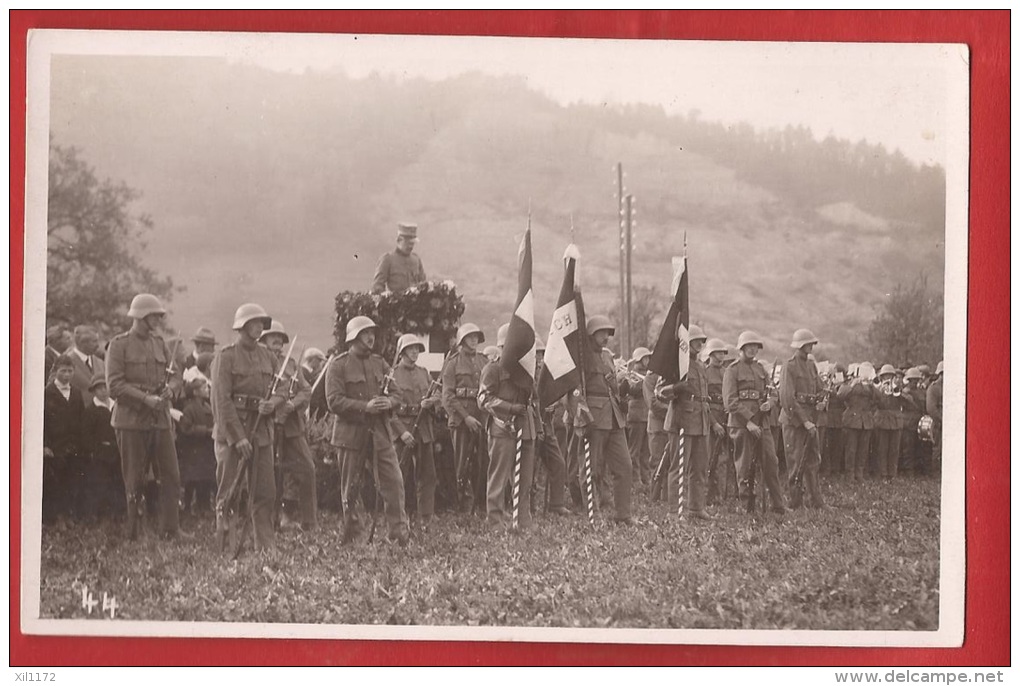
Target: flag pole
[
  {"x": 518, "y": 432},
  {"x": 681, "y": 481}
]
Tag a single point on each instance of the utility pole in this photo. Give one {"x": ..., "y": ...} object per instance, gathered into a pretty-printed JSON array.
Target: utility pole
[
  {"x": 621, "y": 214},
  {"x": 630, "y": 342}
]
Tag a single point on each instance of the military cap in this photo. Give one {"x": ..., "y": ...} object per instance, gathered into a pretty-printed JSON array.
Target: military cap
[
  {"x": 406, "y": 229},
  {"x": 204, "y": 335}
]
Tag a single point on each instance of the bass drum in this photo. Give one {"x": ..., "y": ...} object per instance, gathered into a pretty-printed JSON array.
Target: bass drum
[{"x": 925, "y": 429}]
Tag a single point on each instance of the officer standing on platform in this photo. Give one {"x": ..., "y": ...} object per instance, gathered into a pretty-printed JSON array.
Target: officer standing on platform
[
  {"x": 800, "y": 393},
  {"x": 356, "y": 392},
  {"x": 745, "y": 397},
  {"x": 136, "y": 374},
  {"x": 399, "y": 270},
  {"x": 462, "y": 376},
  {"x": 242, "y": 374}
]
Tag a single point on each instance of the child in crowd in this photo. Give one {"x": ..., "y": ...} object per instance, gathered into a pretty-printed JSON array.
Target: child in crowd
[
  {"x": 105, "y": 484},
  {"x": 195, "y": 447},
  {"x": 63, "y": 468}
]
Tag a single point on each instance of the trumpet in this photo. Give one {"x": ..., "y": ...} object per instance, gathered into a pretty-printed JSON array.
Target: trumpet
[{"x": 623, "y": 372}]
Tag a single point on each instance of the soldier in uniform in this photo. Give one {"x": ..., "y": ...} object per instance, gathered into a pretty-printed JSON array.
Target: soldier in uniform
[
  {"x": 658, "y": 439},
  {"x": 688, "y": 411},
  {"x": 462, "y": 376},
  {"x": 722, "y": 477},
  {"x": 242, "y": 376},
  {"x": 298, "y": 499},
  {"x": 400, "y": 269},
  {"x": 910, "y": 448},
  {"x": 357, "y": 393},
  {"x": 859, "y": 397},
  {"x": 511, "y": 407},
  {"x": 632, "y": 386},
  {"x": 745, "y": 396},
  {"x": 548, "y": 450},
  {"x": 413, "y": 425},
  {"x": 890, "y": 419},
  {"x": 596, "y": 416},
  {"x": 830, "y": 434},
  {"x": 933, "y": 403},
  {"x": 136, "y": 371},
  {"x": 800, "y": 392}
]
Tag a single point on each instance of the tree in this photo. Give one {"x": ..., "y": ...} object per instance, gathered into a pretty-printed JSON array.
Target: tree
[
  {"x": 93, "y": 243},
  {"x": 908, "y": 328}
]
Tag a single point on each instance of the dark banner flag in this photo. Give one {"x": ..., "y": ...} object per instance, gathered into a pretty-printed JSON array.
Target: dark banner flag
[
  {"x": 671, "y": 356},
  {"x": 519, "y": 357},
  {"x": 561, "y": 370}
]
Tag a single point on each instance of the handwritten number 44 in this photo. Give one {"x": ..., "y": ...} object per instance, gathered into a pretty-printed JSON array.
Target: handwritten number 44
[{"x": 89, "y": 602}]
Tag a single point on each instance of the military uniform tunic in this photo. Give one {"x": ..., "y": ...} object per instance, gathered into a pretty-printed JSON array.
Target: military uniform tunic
[
  {"x": 498, "y": 395},
  {"x": 637, "y": 427},
  {"x": 744, "y": 390},
  {"x": 860, "y": 398},
  {"x": 610, "y": 456},
  {"x": 136, "y": 364},
  {"x": 397, "y": 272},
  {"x": 242, "y": 375},
  {"x": 294, "y": 456},
  {"x": 462, "y": 377},
  {"x": 688, "y": 411},
  {"x": 800, "y": 391},
  {"x": 352, "y": 380},
  {"x": 419, "y": 462},
  {"x": 722, "y": 477}
]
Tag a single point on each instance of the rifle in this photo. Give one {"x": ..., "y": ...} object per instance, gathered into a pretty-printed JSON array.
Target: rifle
[
  {"x": 756, "y": 465},
  {"x": 278, "y": 457},
  {"x": 167, "y": 375},
  {"x": 318, "y": 380},
  {"x": 233, "y": 495}
]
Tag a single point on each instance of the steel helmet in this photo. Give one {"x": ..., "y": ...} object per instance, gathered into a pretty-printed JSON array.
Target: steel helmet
[
  {"x": 748, "y": 337},
  {"x": 600, "y": 322},
  {"x": 912, "y": 373},
  {"x": 204, "y": 335},
  {"x": 714, "y": 345},
  {"x": 640, "y": 354},
  {"x": 924, "y": 369},
  {"x": 466, "y": 329},
  {"x": 802, "y": 337},
  {"x": 866, "y": 371},
  {"x": 313, "y": 354},
  {"x": 887, "y": 369},
  {"x": 249, "y": 311},
  {"x": 408, "y": 340},
  {"x": 144, "y": 304},
  {"x": 939, "y": 368},
  {"x": 276, "y": 327},
  {"x": 695, "y": 332},
  {"x": 501, "y": 335},
  {"x": 357, "y": 325},
  {"x": 539, "y": 345},
  {"x": 490, "y": 351}
]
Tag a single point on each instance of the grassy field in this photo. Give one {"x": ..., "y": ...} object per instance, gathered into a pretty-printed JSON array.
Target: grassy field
[{"x": 869, "y": 563}]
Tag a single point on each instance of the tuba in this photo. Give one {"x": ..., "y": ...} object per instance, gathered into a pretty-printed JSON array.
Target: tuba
[{"x": 926, "y": 429}]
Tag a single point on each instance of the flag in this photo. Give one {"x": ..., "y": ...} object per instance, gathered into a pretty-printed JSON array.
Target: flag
[
  {"x": 519, "y": 357},
  {"x": 671, "y": 356},
  {"x": 561, "y": 370}
]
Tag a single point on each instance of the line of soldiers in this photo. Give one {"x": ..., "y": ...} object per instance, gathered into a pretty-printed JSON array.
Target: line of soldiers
[{"x": 384, "y": 424}]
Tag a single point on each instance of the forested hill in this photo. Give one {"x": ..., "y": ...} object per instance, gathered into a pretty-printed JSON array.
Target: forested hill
[{"x": 284, "y": 189}]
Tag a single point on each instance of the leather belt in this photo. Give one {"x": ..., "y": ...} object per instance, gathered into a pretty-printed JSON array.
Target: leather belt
[
  {"x": 808, "y": 398},
  {"x": 749, "y": 395},
  {"x": 246, "y": 403},
  {"x": 466, "y": 392}
]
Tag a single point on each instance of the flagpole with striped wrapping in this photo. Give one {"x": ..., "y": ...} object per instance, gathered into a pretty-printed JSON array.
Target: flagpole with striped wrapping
[
  {"x": 589, "y": 487},
  {"x": 680, "y": 475},
  {"x": 518, "y": 432}
]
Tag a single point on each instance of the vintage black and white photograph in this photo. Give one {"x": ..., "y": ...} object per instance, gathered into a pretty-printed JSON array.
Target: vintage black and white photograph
[{"x": 480, "y": 338}]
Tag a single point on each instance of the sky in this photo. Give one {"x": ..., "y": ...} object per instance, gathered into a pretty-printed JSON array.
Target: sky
[{"x": 893, "y": 94}]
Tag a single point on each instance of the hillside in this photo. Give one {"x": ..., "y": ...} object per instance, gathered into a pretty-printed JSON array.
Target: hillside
[{"x": 285, "y": 189}]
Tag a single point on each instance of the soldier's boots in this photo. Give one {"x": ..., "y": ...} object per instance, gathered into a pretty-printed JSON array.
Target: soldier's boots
[
  {"x": 399, "y": 535},
  {"x": 351, "y": 528},
  {"x": 134, "y": 516}
]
